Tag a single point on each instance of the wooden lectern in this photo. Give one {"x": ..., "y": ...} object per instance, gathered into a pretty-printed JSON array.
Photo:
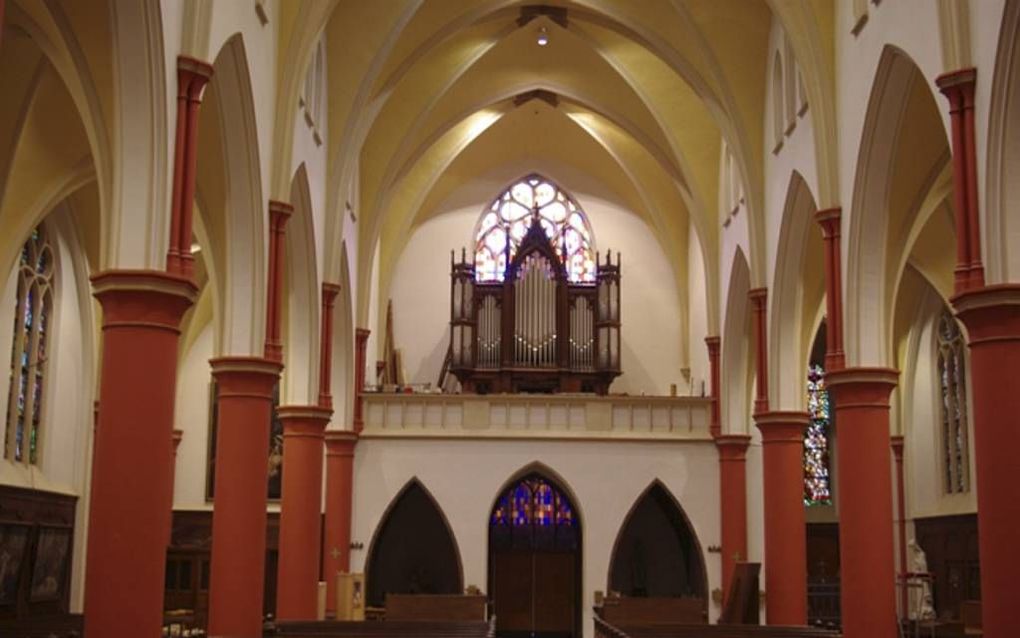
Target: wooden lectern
[{"x": 741, "y": 607}]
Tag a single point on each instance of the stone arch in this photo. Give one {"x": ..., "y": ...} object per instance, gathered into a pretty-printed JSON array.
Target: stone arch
[
  {"x": 1001, "y": 228},
  {"x": 413, "y": 549},
  {"x": 239, "y": 223},
  {"x": 343, "y": 345},
  {"x": 898, "y": 91},
  {"x": 301, "y": 312},
  {"x": 798, "y": 290},
  {"x": 737, "y": 362},
  {"x": 678, "y": 569}
]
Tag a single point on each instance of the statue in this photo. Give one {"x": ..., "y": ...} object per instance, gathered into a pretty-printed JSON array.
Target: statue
[{"x": 921, "y": 607}]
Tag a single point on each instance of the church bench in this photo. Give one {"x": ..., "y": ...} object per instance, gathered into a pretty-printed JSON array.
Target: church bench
[
  {"x": 380, "y": 629},
  {"x": 56, "y": 626},
  {"x": 684, "y": 630}
]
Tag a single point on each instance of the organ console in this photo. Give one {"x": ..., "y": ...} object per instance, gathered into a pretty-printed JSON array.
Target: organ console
[{"x": 535, "y": 330}]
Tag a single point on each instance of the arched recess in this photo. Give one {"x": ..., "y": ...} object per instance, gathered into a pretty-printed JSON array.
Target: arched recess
[
  {"x": 797, "y": 294},
  {"x": 413, "y": 550},
  {"x": 735, "y": 403},
  {"x": 234, "y": 213},
  {"x": 535, "y": 556},
  {"x": 342, "y": 379},
  {"x": 657, "y": 553},
  {"x": 903, "y": 150},
  {"x": 1002, "y": 230},
  {"x": 301, "y": 312}
]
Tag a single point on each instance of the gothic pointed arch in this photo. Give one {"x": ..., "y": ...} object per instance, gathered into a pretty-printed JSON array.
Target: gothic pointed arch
[
  {"x": 657, "y": 553},
  {"x": 413, "y": 550}
]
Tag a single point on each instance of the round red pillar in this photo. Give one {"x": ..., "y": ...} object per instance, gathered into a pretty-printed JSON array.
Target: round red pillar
[
  {"x": 339, "y": 494},
  {"x": 992, "y": 317},
  {"x": 244, "y": 405},
  {"x": 782, "y": 441},
  {"x": 867, "y": 561},
  {"x": 129, "y": 512},
  {"x": 733, "y": 494},
  {"x": 298, "y": 581}
]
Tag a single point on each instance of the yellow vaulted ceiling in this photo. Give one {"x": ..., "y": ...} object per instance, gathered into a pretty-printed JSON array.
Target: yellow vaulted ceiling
[{"x": 425, "y": 97}]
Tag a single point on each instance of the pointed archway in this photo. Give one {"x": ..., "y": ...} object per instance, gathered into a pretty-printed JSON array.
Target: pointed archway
[
  {"x": 657, "y": 553},
  {"x": 535, "y": 559},
  {"x": 413, "y": 550}
]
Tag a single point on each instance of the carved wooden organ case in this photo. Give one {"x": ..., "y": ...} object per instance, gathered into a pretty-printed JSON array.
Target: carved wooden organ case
[{"x": 535, "y": 331}]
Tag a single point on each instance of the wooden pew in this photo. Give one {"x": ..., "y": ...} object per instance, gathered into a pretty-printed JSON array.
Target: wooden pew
[
  {"x": 680, "y": 630},
  {"x": 380, "y": 629},
  {"x": 435, "y": 607},
  {"x": 57, "y": 626},
  {"x": 627, "y": 611}
]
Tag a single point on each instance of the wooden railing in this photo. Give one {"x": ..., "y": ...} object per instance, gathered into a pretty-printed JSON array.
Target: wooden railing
[
  {"x": 824, "y": 605},
  {"x": 555, "y": 416}
]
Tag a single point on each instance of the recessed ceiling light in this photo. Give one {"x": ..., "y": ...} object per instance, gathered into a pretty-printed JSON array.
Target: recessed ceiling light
[{"x": 543, "y": 37}]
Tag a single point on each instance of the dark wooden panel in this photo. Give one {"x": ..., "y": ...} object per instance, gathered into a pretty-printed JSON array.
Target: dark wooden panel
[
  {"x": 432, "y": 607},
  {"x": 951, "y": 546},
  {"x": 637, "y": 611},
  {"x": 554, "y": 592},
  {"x": 511, "y": 590}
]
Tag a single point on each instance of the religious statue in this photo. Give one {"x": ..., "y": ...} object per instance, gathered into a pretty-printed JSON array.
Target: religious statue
[{"x": 921, "y": 607}]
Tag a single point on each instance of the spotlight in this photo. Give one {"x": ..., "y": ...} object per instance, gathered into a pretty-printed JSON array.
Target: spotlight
[{"x": 543, "y": 37}]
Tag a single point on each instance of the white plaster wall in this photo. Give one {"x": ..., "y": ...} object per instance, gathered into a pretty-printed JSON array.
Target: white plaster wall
[
  {"x": 605, "y": 479},
  {"x": 697, "y": 326},
  {"x": 651, "y": 334},
  {"x": 191, "y": 415}
]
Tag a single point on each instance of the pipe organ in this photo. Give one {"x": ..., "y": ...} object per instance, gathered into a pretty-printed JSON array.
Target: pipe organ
[{"x": 535, "y": 331}]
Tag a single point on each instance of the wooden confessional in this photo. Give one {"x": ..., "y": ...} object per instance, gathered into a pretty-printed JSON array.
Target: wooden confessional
[{"x": 535, "y": 331}]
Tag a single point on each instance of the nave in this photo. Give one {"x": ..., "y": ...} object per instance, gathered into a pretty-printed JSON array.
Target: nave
[{"x": 560, "y": 318}]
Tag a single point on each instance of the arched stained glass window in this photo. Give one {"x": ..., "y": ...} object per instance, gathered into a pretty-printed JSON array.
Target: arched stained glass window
[
  {"x": 952, "y": 381},
  {"x": 503, "y": 225},
  {"x": 32, "y": 314},
  {"x": 534, "y": 513},
  {"x": 816, "y": 440}
]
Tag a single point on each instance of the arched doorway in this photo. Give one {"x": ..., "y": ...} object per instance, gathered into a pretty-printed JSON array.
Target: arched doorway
[
  {"x": 657, "y": 554},
  {"x": 413, "y": 551},
  {"x": 535, "y": 560}
]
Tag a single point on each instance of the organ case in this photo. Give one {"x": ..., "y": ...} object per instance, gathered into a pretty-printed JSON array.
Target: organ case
[{"x": 535, "y": 331}]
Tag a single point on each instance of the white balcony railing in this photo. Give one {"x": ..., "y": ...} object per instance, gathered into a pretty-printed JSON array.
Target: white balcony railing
[{"x": 557, "y": 416}]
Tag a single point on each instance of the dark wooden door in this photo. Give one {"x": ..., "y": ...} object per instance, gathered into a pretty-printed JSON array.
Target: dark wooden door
[{"x": 534, "y": 593}]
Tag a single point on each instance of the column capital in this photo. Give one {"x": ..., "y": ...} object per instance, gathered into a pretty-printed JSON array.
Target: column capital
[
  {"x": 194, "y": 69},
  {"x": 304, "y": 420},
  {"x": 896, "y": 443},
  {"x": 361, "y": 334},
  {"x": 340, "y": 442},
  {"x": 176, "y": 437},
  {"x": 250, "y": 376},
  {"x": 862, "y": 386},
  {"x": 957, "y": 81},
  {"x": 991, "y": 313},
  {"x": 329, "y": 293},
  {"x": 151, "y": 298},
  {"x": 782, "y": 426},
  {"x": 732, "y": 447},
  {"x": 829, "y": 219},
  {"x": 758, "y": 296},
  {"x": 713, "y": 343},
  {"x": 279, "y": 213}
]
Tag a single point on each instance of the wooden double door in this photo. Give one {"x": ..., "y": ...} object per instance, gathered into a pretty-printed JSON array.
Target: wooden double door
[{"x": 535, "y": 593}]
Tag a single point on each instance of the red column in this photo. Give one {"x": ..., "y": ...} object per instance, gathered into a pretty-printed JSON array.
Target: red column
[
  {"x": 733, "y": 494},
  {"x": 714, "y": 425},
  {"x": 192, "y": 76},
  {"x": 958, "y": 87},
  {"x": 339, "y": 493},
  {"x": 867, "y": 562},
  {"x": 329, "y": 293},
  {"x": 901, "y": 515},
  {"x": 239, "y": 516},
  {"x": 360, "y": 345},
  {"x": 782, "y": 441},
  {"x": 992, "y": 317},
  {"x": 279, "y": 213},
  {"x": 829, "y": 219},
  {"x": 129, "y": 512},
  {"x": 759, "y": 323},
  {"x": 298, "y": 580}
]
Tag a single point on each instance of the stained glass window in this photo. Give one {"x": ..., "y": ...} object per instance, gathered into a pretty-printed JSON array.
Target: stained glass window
[
  {"x": 29, "y": 348},
  {"x": 506, "y": 221},
  {"x": 816, "y": 440},
  {"x": 534, "y": 513},
  {"x": 953, "y": 405}
]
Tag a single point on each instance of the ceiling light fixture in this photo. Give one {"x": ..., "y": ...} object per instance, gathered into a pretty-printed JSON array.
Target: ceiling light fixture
[{"x": 543, "y": 37}]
